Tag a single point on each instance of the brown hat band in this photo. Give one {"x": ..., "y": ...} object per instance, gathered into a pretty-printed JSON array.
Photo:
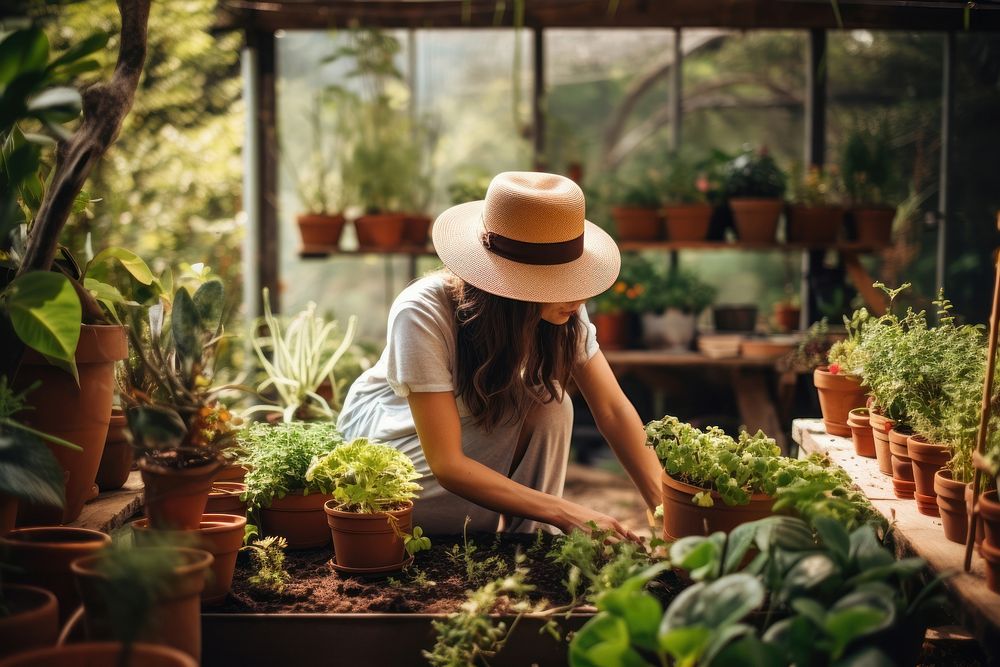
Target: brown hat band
[{"x": 524, "y": 252}]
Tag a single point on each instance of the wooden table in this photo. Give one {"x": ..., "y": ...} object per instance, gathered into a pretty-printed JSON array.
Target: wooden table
[
  {"x": 111, "y": 510},
  {"x": 763, "y": 393},
  {"x": 916, "y": 534}
]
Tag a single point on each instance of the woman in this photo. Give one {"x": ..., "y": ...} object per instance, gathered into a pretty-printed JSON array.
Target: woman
[{"x": 470, "y": 384}]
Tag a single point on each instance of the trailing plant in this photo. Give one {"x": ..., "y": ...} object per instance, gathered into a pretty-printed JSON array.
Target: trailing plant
[
  {"x": 753, "y": 174},
  {"x": 173, "y": 406},
  {"x": 816, "y": 186},
  {"x": 366, "y": 476},
  {"x": 279, "y": 456},
  {"x": 813, "y": 594},
  {"x": 595, "y": 564},
  {"x": 268, "y": 556},
  {"x": 297, "y": 358}
]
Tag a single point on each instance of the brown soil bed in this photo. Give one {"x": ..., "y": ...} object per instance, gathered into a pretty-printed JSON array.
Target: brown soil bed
[{"x": 317, "y": 588}]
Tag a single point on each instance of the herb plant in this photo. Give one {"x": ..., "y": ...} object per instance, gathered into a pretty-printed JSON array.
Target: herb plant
[
  {"x": 278, "y": 458},
  {"x": 477, "y": 572},
  {"x": 366, "y": 476},
  {"x": 594, "y": 564},
  {"x": 753, "y": 174},
  {"x": 885, "y": 356},
  {"x": 268, "y": 555},
  {"x": 659, "y": 289},
  {"x": 846, "y": 357}
]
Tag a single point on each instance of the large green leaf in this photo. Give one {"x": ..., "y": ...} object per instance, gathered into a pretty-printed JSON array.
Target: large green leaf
[
  {"x": 23, "y": 51},
  {"x": 603, "y": 642},
  {"x": 209, "y": 300},
  {"x": 185, "y": 325},
  {"x": 88, "y": 45},
  {"x": 45, "y": 311},
  {"x": 29, "y": 471},
  {"x": 155, "y": 428},
  {"x": 58, "y": 105},
  {"x": 98, "y": 267},
  {"x": 813, "y": 576},
  {"x": 686, "y": 644},
  {"x": 835, "y": 537},
  {"x": 107, "y": 295}
]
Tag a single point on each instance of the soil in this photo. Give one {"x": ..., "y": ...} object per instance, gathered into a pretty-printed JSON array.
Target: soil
[{"x": 317, "y": 588}]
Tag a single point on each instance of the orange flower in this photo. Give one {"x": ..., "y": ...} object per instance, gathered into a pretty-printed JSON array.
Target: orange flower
[{"x": 620, "y": 287}]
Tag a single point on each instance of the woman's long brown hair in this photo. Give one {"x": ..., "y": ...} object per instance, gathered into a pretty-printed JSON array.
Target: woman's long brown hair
[{"x": 509, "y": 359}]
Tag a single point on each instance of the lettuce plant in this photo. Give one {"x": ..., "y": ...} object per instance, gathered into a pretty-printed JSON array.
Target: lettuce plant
[{"x": 366, "y": 476}]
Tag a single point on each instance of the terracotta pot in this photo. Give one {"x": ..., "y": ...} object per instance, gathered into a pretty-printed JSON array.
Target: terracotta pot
[
  {"x": 174, "y": 498},
  {"x": 926, "y": 459},
  {"x": 77, "y": 413},
  {"x": 979, "y": 520},
  {"x": 634, "y": 223},
  {"x": 32, "y": 620},
  {"x": 687, "y": 222},
  {"x": 926, "y": 505},
  {"x": 42, "y": 557},
  {"x": 175, "y": 618},
  {"x": 814, "y": 225},
  {"x": 991, "y": 555},
  {"x": 756, "y": 219},
  {"x": 381, "y": 231},
  {"x": 8, "y": 513},
  {"x": 874, "y": 225},
  {"x": 612, "y": 330},
  {"x": 838, "y": 395},
  {"x": 902, "y": 469},
  {"x": 673, "y": 330},
  {"x": 416, "y": 230},
  {"x": 989, "y": 513},
  {"x": 861, "y": 432},
  {"x": 299, "y": 519},
  {"x": 786, "y": 317},
  {"x": 232, "y": 472},
  {"x": 117, "y": 459},
  {"x": 101, "y": 654},
  {"x": 319, "y": 229},
  {"x": 881, "y": 426},
  {"x": 220, "y": 535},
  {"x": 224, "y": 498},
  {"x": 682, "y": 517},
  {"x": 368, "y": 540},
  {"x": 951, "y": 504}
]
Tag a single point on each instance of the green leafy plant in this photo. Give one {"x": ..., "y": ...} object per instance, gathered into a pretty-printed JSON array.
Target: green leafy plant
[
  {"x": 478, "y": 572},
  {"x": 658, "y": 289},
  {"x": 301, "y": 358},
  {"x": 867, "y": 166},
  {"x": 816, "y": 186},
  {"x": 811, "y": 351},
  {"x": 624, "y": 295},
  {"x": 468, "y": 186},
  {"x": 753, "y": 174},
  {"x": 268, "y": 556},
  {"x": 846, "y": 357},
  {"x": 693, "y": 181},
  {"x": 279, "y": 456},
  {"x": 595, "y": 564},
  {"x": 366, "y": 476},
  {"x": 643, "y": 193},
  {"x": 883, "y": 344}
]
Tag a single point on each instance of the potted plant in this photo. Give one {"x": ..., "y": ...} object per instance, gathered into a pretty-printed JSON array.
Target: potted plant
[
  {"x": 754, "y": 186},
  {"x": 636, "y": 212},
  {"x": 814, "y": 214},
  {"x": 613, "y": 312},
  {"x": 278, "y": 496},
  {"x": 787, "y": 312},
  {"x": 839, "y": 382},
  {"x": 117, "y": 457},
  {"x": 179, "y": 427},
  {"x": 671, "y": 302},
  {"x": 318, "y": 181},
  {"x": 867, "y": 168},
  {"x": 29, "y": 618},
  {"x": 370, "y": 515},
  {"x": 690, "y": 190},
  {"x": 300, "y": 357}
]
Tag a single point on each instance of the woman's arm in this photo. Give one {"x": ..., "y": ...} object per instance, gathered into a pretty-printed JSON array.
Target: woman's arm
[
  {"x": 620, "y": 425},
  {"x": 440, "y": 432}
]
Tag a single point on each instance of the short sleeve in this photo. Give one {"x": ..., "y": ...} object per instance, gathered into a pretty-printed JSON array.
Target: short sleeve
[
  {"x": 587, "y": 346},
  {"x": 417, "y": 353}
]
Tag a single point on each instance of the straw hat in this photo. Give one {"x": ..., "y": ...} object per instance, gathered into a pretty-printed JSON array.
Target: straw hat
[{"x": 528, "y": 240}]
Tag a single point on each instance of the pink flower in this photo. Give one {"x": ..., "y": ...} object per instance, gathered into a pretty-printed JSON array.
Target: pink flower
[
  {"x": 835, "y": 369},
  {"x": 702, "y": 184}
]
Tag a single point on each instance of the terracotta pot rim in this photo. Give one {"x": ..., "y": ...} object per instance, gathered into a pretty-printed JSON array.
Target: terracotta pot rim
[
  {"x": 989, "y": 552},
  {"x": 319, "y": 218},
  {"x": 340, "y": 514},
  {"x": 197, "y": 559},
  {"x": 989, "y": 504},
  {"x": 824, "y": 379},
  {"x": 98, "y": 344},
  {"x": 218, "y": 492},
  {"x": 948, "y": 481},
  {"x": 109, "y": 649},
  {"x": 210, "y": 524},
  {"x": 687, "y": 207},
  {"x": 209, "y": 469},
  {"x": 296, "y": 501},
  {"x": 380, "y": 217},
  {"x": 85, "y": 537},
  {"x": 46, "y": 603},
  {"x": 678, "y": 485}
]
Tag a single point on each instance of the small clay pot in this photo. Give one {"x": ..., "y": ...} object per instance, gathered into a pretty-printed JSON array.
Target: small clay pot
[
  {"x": 786, "y": 316},
  {"x": 926, "y": 505},
  {"x": 174, "y": 498},
  {"x": 32, "y": 619},
  {"x": 873, "y": 226},
  {"x": 756, "y": 219},
  {"x": 902, "y": 469},
  {"x": 117, "y": 459},
  {"x": 224, "y": 498},
  {"x": 861, "y": 432},
  {"x": 220, "y": 535},
  {"x": 634, "y": 223},
  {"x": 42, "y": 557},
  {"x": 951, "y": 504},
  {"x": 299, "y": 519},
  {"x": 687, "y": 222},
  {"x": 101, "y": 654},
  {"x": 838, "y": 395},
  {"x": 926, "y": 458},
  {"x": 881, "y": 426},
  {"x": 682, "y": 517},
  {"x": 416, "y": 230},
  {"x": 814, "y": 225},
  {"x": 989, "y": 512},
  {"x": 320, "y": 229},
  {"x": 612, "y": 330},
  {"x": 8, "y": 513},
  {"x": 991, "y": 555},
  {"x": 174, "y": 619},
  {"x": 368, "y": 540},
  {"x": 979, "y": 519},
  {"x": 380, "y": 231}
]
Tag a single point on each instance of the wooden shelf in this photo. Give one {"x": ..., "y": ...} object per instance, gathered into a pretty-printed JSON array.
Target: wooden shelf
[
  {"x": 631, "y": 246},
  {"x": 321, "y": 251},
  {"x": 112, "y": 509},
  {"x": 665, "y": 358},
  {"x": 915, "y": 534}
]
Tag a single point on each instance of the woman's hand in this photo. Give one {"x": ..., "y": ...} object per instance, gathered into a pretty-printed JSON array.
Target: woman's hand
[{"x": 573, "y": 516}]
